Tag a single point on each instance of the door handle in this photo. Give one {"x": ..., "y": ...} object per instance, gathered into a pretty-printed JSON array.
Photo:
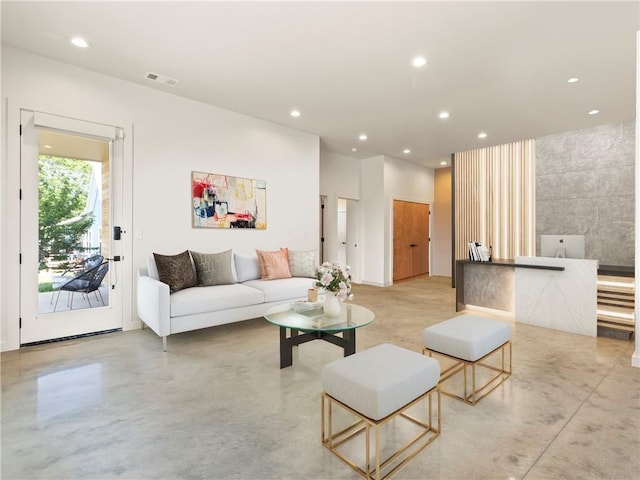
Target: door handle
[{"x": 413, "y": 245}]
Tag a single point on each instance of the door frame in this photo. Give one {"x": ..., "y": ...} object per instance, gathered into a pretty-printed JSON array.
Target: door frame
[
  {"x": 354, "y": 238},
  {"x": 10, "y": 201},
  {"x": 353, "y": 235},
  {"x": 37, "y": 326},
  {"x": 339, "y": 232}
]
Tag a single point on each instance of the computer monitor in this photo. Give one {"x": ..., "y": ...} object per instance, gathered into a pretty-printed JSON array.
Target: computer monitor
[{"x": 562, "y": 246}]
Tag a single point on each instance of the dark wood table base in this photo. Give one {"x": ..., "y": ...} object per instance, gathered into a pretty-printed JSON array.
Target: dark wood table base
[{"x": 347, "y": 341}]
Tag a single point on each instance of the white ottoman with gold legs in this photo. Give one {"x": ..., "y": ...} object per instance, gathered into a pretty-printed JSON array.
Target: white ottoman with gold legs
[
  {"x": 375, "y": 388},
  {"x": 471, "y": 341}
]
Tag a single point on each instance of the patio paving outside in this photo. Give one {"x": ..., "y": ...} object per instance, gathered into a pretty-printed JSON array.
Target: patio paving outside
[{"x": 47, "y": 300}]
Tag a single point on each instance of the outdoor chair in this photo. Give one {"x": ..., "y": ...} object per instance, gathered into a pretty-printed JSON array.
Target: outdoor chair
[
  {"x": 75, "y": 270},
  {"x": 85, "y": 282},
  {"x": 84, "y": 264}
]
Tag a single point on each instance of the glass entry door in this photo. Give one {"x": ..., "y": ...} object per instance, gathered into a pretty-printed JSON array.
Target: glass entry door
[{"x": 68, "y": 274}]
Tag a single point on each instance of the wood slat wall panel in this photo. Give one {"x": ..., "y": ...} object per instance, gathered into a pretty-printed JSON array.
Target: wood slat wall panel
[{"x": 494, "y": 197}]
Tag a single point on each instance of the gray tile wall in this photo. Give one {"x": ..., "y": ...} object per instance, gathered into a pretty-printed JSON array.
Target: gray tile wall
[{"x": 585, "y": 186}]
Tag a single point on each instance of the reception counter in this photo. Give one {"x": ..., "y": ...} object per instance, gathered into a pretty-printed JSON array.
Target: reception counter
[{"x": 558, "y": 293}]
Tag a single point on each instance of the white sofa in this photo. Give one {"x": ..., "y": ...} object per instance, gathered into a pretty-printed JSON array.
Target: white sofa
[{"x": 201, "y": 307}]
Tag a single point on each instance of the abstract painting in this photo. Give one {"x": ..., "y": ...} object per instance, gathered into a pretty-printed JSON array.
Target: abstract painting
[{"x": 222, "y": 201}]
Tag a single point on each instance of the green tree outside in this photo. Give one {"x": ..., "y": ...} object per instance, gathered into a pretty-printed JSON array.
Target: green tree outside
[{"x": 62, "y": 189}]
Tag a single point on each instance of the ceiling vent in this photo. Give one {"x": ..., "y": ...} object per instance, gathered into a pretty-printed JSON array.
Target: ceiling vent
[{"x": 155, "y": 77}]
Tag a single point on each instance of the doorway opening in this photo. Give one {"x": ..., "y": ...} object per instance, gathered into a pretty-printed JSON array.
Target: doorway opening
[
  {"x": 69, "y": 202},
  {"x": 341, "y": 256},
  {"x": 321, "y": 258},
  {"x": 73, "y": 213},
  {"x": 348, "y": 236}
]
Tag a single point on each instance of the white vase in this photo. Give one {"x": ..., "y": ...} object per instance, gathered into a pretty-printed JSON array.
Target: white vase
[{"x": 331, "y": 305}]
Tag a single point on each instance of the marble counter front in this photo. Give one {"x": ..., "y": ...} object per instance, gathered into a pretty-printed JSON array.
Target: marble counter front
[
  {"x": 489, "y": 285},
  {"x": 563, "y": 300},
  {"x": 557, "y": 293}
]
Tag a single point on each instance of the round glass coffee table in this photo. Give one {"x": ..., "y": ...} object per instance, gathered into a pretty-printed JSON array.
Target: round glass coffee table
[{"x": 310, "y": 323}]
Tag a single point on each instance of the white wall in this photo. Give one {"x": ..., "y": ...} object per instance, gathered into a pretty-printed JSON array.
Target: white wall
[
  {"x": 167, "y": 138},
  {"x": 373, "y": 224},
  {"x": 339, "y": 175}
]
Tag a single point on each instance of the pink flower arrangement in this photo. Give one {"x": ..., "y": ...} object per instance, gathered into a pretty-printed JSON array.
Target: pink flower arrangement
[{"x": 333, "y": 277}]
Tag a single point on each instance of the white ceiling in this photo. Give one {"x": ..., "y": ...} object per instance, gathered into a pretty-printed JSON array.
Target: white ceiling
[
  {"x": 72, "y": 146},
  {"x": 497, "y": 67}
]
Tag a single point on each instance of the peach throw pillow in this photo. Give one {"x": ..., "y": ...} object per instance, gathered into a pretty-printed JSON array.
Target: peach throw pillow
[{"x": 274, "y": 264}]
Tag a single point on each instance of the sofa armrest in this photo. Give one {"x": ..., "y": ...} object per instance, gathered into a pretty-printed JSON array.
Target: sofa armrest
[{"x": 153, "y": 304}]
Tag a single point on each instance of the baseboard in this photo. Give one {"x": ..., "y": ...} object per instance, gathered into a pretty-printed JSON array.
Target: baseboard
[
  {"x": 635, "y": 359},
  {"x": 375, "y": 284},
  {"x": 490, "y": 311}
]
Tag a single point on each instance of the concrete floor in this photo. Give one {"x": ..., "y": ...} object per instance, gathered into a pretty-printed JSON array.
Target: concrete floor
[
  {"x": 217, "y": 406},
  {"x": 47, "y": 300}
]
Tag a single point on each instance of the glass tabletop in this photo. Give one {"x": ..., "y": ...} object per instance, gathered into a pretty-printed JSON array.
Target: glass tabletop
[{"x": 302, "y": 317}]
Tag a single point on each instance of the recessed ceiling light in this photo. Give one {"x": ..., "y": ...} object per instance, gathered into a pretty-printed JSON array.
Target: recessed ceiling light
[
  {"x": 48, "y": 147},
  {"x": 362, "y": 137},
  {"x": 594, "y": 112},
  {"x": 573, "y": 80},
  {"x": 482, "y": 135},
  {"x": 406, "y": 151},
  {"x": 295, "y": 113},
  {"x": 443, "y": 114},
  {"x": 354, "y": 150},
  {"x": 80, "y": 42},
  {"x": 443, "y": 162},
  {"x": 419, "y": 61}
]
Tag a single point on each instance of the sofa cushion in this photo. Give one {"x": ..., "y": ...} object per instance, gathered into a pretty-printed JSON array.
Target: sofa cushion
[
  {"x": 193, "y": 301},
  {"x": 176, "y": 270},
  {"x": 213, "y": 268},
  {"x": 247, "y": 267},
  {"x": 282, "y": 289},
  {"x": 302, "y": 263},
  {"x": 274, "y": 265}
]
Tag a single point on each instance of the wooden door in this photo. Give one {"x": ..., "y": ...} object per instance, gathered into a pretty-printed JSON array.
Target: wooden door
[
  {"x": 420, "y": 239},
  {"x": 410, "y": 239},
  {"x": 402, "y": 255}
]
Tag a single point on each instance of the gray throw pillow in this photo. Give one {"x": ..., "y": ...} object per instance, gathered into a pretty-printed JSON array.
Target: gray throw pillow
[
  {"x": 213, "y": 268},
  {"x": 176, "y": 270},
  {"x": 247, "y": 267}
]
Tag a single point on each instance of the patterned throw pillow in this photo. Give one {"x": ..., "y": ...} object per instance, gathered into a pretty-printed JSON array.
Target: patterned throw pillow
[
  {"x": 274, "y": 264},
  {"x": 302, "y": 263},
  {"x": 176, "y": 270},
  {"x": 213, "y": 268}
]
